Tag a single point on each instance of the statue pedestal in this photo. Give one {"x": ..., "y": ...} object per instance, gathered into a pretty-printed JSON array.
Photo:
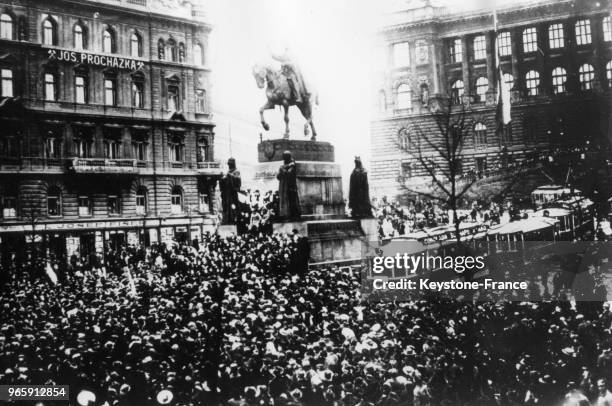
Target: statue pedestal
[
  {"x": 334, "y": 239},
  {"x": 319, "y": 178}
]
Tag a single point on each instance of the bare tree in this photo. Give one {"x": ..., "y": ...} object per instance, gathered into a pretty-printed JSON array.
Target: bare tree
[{"x": 440, "y": 154}]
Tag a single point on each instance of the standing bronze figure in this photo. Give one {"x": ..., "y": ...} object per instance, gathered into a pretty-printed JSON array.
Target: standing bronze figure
[
  {"x": 289, "y": 202},
  {"x": 359, "y": 192},
  {"x": 286, "y": 87},
  {"x": 230, "y": 185}
]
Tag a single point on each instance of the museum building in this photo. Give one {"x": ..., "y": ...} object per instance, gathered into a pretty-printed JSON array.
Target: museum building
[
  {"x": 106, "y": 136},
  {"x": 554, "y": 55}
]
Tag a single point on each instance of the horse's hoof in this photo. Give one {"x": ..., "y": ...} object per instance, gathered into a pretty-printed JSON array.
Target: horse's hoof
[
  {"x": 313, "y": 138},
  {"x": 266, "y": 126}
]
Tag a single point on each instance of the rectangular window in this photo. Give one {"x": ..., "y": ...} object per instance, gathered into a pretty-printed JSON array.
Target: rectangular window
[
  {"x": 84, "y": 206},
  {"x": 113, "y": 204},
  {"x": 82, "y": 147},
  {"x": 406, "y": 169},
  {"x": 109, "y": 92},
  {"x": 456, "y": 51},
  {"x": 9, "y": 207},
  {"x": 401, "y": 54},
  {"x": 173, "y": 98},
  {"x": 6, "y": 26},
  {"x": 530, "y": 40},
  {"x": 204, "y": 203},
  {"x": 80, "y": 89},
  {"x": 504, "y": 44},
  {"x": 111, "y": 149},
  {"x": 52, "y": 148},
  {"x": 607, "y": 28},
  {"x": 7, "y": 83},
  {"x": 556, "y": 36},
  {"x": 176, "y": 152},
  {"x": 140, "y": 150},
  {"x": 583, "y": 32},
  {"x": 480, "y": 47},
  {"x": 137, "y": 95},
  {"x": 200, "y": 101},
  {"x": 50, "y": 87}
]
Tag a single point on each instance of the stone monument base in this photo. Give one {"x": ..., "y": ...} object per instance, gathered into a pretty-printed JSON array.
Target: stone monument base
[{"x": 332, "y": 242}]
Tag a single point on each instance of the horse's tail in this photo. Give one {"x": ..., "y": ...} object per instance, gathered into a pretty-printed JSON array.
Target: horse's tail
[{"x": 316, "y": 99}]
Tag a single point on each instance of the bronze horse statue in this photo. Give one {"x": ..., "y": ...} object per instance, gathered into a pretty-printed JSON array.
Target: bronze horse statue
[{"x": 279, "y": 92}]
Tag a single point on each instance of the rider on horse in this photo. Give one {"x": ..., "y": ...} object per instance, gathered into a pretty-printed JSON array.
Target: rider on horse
[{"x": 289, "y": 69}]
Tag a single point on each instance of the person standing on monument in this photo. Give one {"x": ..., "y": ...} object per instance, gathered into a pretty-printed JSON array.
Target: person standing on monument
[
  {"x": 359, "y": 192},
  {"x": 230, "y": 185},
  {"x": 289, "y": 203}
]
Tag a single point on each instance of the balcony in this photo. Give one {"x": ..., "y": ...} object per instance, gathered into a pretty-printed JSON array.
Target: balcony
[
  {"x": 104, "y": 165},
  {"x": 31, "y": 164},
  {"x": 208, "y": 168}
]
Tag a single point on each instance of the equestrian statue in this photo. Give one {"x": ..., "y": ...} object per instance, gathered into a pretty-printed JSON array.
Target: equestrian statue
[{"x": 286, "y": 87}]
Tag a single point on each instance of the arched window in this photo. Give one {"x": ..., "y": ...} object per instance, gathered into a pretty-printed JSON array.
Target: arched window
[
  {"x": 80, "y": 38},
  {"x": 559, "y": 77},
  {"x": 586, "y": 76},
  {"x": 198, "y": 55},
  {"x": 49, "y": 32},
  {"x": 482, "y": 85},
  {"x": 137, "y": 93},
  {"x": 532, "y": 81},
  {"x": 404, "y": 96},
  {"x": 6, "y": 27},
  {"x": 161, "y": 49},
  {"x": 181, "y": 52},
  {"x": 403, "y": 140},
  {"x": 54, "y": 201},
  {"x": 480, "y": 134},
  {"x": 171, "y": 50},
  {"x": 141, "y": 200},
  {"x": 457, "y": 90},
  {"x": 108, "y": 41},
  {"x": 135, "y": 45},
  {"x": 609, "y": 74},
  {"x": 176, "y": 203}
]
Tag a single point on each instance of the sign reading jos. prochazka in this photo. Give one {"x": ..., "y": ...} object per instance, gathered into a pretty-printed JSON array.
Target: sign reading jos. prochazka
[{"x": 107, "y": 61}]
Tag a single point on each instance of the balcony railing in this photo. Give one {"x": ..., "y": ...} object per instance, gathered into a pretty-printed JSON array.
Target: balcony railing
[{"x": 104, "y": 165}]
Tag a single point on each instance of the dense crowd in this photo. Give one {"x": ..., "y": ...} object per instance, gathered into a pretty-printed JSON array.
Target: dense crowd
[
  {"x": 395, "y": 219},
  {"x": 235, "y": 321},
  {"x": 257, "y": 211}
]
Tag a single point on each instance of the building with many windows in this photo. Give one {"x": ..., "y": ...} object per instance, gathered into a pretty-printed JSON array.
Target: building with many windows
[
  {"x": 106, "y": 135},
  {"x": 555, "y": 56}
]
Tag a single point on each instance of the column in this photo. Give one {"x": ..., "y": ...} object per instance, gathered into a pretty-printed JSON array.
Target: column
[
  {"x": 439, "y": 72},
  {"x": 465, "y": 68},
  {"x": 517, "y": 73},
  {"x": 599, "y": 64},
  {"x": 490, "y": 43}
]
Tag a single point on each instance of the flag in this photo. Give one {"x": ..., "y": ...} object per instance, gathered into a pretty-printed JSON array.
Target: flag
[
  {"x": 51, "y": 274},
  {"x": 503, "y": 91}
]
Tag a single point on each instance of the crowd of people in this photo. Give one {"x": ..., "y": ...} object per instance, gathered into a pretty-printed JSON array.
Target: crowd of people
[
  {"x": 257, "y": 211},
  {"x": 395, "y": 219},
  {"x": 235, "y": 321}
]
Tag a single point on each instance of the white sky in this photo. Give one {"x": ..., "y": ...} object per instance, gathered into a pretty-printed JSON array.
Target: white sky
[{"x": 331, "y": 40}]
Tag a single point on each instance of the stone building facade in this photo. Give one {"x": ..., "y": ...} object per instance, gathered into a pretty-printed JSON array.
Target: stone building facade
[
  {"x": 556, "y": 57},
  {"x": 106, "y": 134}
]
